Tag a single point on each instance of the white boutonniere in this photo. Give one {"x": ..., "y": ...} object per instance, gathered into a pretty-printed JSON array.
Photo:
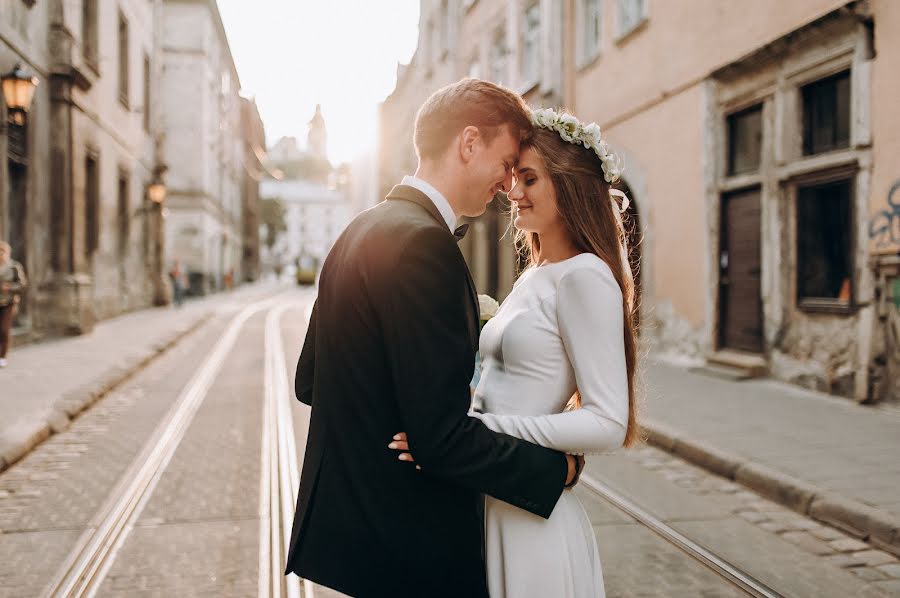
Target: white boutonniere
[{"x": 487, "y": 306}]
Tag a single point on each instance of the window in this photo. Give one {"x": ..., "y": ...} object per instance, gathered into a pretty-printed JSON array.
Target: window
[
  {"x": 89, "y": 31},
  {"x": 498, "y": 56},
  {"x": 589, "y": 31},
  {"x": 123, "y": 60},
  {"x": 123, "y": 219},
  {"x": 631, "y": 14},
  {"x": 91, "y": 206},
  {"x": 824, "y": 263},
  {"x": 146, "y": 93},
  {"x": 445, "y": 29},
  {"x": 531, "y": 44},
  {"x": 745, "y": 141},
  {"x": 475, "y": 68},
  {"x": 826, "y": 114}
]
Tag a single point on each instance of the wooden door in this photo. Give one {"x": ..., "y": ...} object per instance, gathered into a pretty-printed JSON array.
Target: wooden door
[{"x": 740, "y": 301}]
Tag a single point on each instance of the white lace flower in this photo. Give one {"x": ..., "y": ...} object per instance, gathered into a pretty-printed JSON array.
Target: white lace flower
[
  {"x": 592, "y": 135},
  {"x": 574, "y": 131},
  {"x": 488, "y": 307}
]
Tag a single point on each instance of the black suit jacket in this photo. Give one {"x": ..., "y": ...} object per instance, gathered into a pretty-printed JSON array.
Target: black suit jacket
[{"x": 390, "y": 347}]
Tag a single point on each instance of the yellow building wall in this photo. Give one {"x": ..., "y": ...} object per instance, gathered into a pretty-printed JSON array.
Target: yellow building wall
[
  {"x": 664, "y": 147},
  {"x": 884, "y": 216}
]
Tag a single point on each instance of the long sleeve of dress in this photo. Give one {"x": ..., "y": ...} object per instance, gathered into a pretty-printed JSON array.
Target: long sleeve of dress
[{"x": 591, "y": 325}]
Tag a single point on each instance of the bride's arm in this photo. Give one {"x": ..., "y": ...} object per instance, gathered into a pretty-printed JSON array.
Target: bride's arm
[{"x": 589, "y": 311}]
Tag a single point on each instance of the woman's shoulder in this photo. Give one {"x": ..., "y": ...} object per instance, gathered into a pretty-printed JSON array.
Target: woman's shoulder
[
  {"x": 584, "y": 265},
  {"x": 586, "y": 272}
]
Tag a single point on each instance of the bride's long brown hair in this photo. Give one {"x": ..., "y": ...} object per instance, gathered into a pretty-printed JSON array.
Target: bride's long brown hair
[{"x": 594, "y": 225}]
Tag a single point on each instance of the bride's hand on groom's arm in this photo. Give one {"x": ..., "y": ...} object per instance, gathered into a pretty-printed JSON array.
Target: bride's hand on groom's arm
[{"x": 575, "y": 463}]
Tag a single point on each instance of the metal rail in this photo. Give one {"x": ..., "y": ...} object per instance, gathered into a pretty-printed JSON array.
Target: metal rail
[
  {"x": 721, "y": 567},
  {"x": 83, "y": 571},
  {"x": 281, "y": 475}
]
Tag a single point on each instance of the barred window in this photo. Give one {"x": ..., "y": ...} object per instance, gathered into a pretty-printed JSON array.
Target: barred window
[
  {"x": 498, "y": 56},
  {"x": 91, "y": 206},
  {"x": 631, "y": 13},
  {"x": 123, "y": 60},
  {"x": 531, "y": 44},
  {"x": 89, "y": 31},
  {"x": 589, "y": 31},
  {"x": 824, "y": 244},
  {"x": 124, "y": 219},
  {"x": 745, "y": 141},
  {"x": 826, "y": 114}
]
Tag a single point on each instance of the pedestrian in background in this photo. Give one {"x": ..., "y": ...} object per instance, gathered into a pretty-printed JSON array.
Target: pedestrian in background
[
  {"x": 12, "y": 285},
  {"x": 177, "y": 283}
]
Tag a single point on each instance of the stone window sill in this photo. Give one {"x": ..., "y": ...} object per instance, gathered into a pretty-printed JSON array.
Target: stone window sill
[{"x": 826, "y": 306}]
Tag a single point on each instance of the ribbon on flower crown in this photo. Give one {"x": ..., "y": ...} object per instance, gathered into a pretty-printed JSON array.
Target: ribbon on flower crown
[{"x": 623, "y": 206}]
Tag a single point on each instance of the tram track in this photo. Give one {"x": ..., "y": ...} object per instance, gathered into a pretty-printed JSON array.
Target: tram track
[
  {"x": 95, "y": 551},
  {"x": 719, "y": 565},
  {"x": 280, "y": 478}
]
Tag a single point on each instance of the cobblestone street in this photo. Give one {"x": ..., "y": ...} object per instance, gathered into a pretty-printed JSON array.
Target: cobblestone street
[{"x": 198, "y": 524}]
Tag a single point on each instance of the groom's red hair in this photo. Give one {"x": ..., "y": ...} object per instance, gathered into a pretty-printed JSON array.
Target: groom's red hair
[{"x": 468, "y": 102}]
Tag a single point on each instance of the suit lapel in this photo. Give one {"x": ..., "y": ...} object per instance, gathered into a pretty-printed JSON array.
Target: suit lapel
[
  {"x": 407, "y": 193},
  {"x": 473, "y": 296}
]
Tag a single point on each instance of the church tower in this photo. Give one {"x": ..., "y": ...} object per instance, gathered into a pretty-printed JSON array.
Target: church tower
[{"x": 317, "y": 136}]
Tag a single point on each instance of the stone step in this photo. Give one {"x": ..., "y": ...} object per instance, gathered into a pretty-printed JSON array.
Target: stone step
[
  {"x": 722, "y": 371},
  {"x": 753, "y": 364}
]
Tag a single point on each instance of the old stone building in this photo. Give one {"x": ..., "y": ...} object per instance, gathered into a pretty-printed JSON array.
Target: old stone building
[
  {"x": 254, "y": 136},
  {"x": 760, "y": 160},
  {"x": 315, "y": 197},
  {"x": 73, "y": 192},
  {"x": 108, "y": 123},
  {"x": 203, "y": 144}
]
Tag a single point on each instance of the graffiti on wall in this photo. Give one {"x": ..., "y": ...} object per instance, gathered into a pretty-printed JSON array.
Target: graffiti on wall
[{"x": 884, "y": 229}]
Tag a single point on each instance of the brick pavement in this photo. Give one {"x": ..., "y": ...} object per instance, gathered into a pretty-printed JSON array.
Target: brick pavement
[
  {"x": 818, "y": 454},
  {"x": 199, "y": 533},
  {"x": 749, "y": 531},
  {"x": 47, "y": 384},
  {"x": 48, "y": 498}
]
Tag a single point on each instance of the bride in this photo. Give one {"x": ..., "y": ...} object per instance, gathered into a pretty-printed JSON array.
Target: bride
[{"x": 564, "y": 336}]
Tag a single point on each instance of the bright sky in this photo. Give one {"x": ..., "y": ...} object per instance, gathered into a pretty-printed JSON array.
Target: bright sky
[{"x": 343, "y": 54}]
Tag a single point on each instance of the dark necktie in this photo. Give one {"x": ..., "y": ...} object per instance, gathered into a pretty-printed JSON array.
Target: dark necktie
[{"x": 460, "y": 232}]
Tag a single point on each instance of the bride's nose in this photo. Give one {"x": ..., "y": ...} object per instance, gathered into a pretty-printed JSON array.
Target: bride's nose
[{"x": 515, "y": 194}]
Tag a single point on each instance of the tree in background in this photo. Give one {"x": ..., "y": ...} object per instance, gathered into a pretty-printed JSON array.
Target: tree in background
[{"x": 272, "y": 216}]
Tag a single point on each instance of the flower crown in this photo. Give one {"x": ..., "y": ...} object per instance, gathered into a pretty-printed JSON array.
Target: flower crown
[{"x": 574, "y": 131}]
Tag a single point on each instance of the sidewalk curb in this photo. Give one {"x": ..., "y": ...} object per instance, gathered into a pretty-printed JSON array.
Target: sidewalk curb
[
  {"x": 71, "y": 404},
  {"x": 854, "y": 517}
]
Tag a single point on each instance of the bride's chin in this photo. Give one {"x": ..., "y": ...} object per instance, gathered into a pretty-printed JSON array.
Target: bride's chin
[{"x": 520, "y": 225}]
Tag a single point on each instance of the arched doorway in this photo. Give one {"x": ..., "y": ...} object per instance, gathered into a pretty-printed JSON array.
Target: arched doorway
[{"x": 632, "y": 221}]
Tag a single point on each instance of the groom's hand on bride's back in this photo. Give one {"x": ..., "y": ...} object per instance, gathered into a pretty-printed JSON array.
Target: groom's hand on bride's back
[{"x": 574, "y": 463}]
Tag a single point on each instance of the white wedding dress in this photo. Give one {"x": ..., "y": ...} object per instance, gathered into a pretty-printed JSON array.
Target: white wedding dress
[{"x": 561, "y": 328}]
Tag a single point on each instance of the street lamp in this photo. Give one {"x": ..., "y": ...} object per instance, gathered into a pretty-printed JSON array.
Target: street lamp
[
  {"x": 156, "y": 193},
  {"x": 18, "y": 89}
]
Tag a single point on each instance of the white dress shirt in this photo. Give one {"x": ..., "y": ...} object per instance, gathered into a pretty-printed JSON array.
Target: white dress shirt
[{"x": 436, "y": 197}]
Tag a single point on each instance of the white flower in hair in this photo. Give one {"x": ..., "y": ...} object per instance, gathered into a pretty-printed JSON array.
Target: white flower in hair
[
  {"x": 592, "y": 136},
  {"x": 574, "y": 131}
]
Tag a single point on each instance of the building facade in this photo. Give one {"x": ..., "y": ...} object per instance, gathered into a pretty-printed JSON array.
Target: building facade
[
  {"x": 254, "y": 170},
  {"x": 204, "y": 145},
  {"x": 73, "y": 192},
  {"x": 760, "y": 160},
  {"x": 314, "y": 216}
]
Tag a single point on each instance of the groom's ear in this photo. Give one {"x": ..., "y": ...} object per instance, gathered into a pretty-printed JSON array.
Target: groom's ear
[{"x": 468, "y": 140}]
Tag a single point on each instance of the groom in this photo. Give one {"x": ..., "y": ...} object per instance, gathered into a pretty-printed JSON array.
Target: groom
[{"x": 390, "y": 347}]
